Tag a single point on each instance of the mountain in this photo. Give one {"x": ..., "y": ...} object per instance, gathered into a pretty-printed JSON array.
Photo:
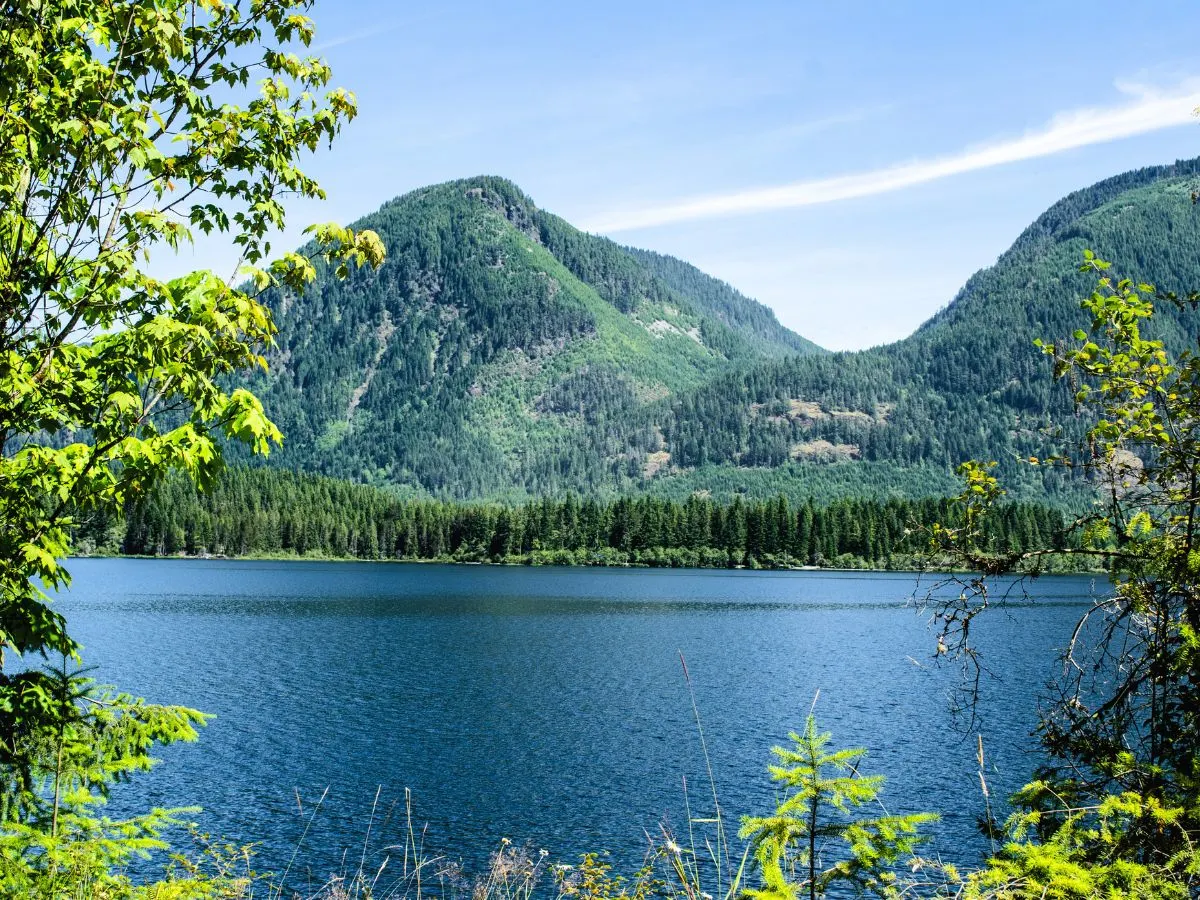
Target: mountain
[
  {"x": 969, "y": 384},
  {"x": 501, "y": 353},
  {"x": 497, "y": 350},
  {"x": 718, "y": 299}
]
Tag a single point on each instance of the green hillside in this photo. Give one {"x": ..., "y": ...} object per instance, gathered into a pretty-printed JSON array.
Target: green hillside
[
  {"x": 968, "y": 384},
  {"x": 724, "y": 302},
  {"x": 501, "y": 353},
  {"x": 494, "y": 350}
]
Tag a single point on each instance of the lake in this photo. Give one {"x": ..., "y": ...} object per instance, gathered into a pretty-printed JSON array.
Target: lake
[{"x": 547, "y": 706}]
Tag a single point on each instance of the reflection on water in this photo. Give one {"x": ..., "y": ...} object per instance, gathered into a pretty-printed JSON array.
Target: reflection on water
[{"x": 545, "y": 705}]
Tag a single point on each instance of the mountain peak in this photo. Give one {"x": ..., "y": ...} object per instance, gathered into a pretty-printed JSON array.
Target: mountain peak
[
  {"x": 494, "y": 335},
  {"x": 502, "y": 353}
]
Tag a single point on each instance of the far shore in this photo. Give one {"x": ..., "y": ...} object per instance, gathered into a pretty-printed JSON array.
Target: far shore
[{"x": 528, "y": 563}]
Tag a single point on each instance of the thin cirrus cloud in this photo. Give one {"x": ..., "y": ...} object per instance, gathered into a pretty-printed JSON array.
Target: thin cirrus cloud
[
  {"x": 355, "y": 37},
  {"x": 1067, "y": 131}
]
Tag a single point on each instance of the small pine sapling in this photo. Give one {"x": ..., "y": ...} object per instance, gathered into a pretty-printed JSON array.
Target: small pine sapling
[{"x": 814, "y": 838}]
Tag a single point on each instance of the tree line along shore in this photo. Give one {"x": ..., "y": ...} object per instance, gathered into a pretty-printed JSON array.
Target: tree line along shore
[{"x": 257, "y": 512}]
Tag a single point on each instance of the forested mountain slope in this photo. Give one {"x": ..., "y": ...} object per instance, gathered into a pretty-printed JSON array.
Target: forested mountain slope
[
  {"x": 723, "y": 301},
  {"x": 968, "y": 384},
  {"x": 500, "y": 353},
  {"x": 493, "y": 349}
]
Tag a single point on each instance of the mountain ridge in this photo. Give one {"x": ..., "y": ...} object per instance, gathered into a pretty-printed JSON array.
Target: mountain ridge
[
  {"x": 969, "y": 383},
  {"x": 486, "y": 342},
  {"x": 501, "y": 354}
]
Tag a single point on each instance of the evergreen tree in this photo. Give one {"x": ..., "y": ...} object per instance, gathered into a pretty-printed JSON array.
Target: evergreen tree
[{"x": 815, "y": 840}]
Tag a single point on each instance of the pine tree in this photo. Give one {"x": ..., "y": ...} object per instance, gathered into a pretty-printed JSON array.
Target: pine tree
[{"x": 794, "y": 847}]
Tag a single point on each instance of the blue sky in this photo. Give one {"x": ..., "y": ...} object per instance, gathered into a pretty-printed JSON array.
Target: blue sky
[{"x": 848, "y": 164}]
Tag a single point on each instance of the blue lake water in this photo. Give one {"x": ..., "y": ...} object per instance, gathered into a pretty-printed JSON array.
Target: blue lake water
[{"x": 543, "y": 705}]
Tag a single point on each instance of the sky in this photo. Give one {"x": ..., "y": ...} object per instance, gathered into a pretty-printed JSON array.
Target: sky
[{"x": 848, "y": 164}]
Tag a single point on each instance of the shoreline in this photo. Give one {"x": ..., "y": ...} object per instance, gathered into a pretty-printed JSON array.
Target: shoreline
[{"x": 529, "y": 563}]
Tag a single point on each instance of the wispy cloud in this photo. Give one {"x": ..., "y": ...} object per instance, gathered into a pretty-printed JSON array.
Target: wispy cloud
[
  {"x": 1150, "y": 111},
  {"x": 810, "y": 127},
  {"x": 355, "y": 36}
]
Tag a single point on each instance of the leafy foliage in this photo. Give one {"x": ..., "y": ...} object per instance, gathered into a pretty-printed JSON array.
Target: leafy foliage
[
  {"x": 1116, "y": 810},
  {"x": 67, "y": 761},
  {"x": 127, "y": 126}
]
